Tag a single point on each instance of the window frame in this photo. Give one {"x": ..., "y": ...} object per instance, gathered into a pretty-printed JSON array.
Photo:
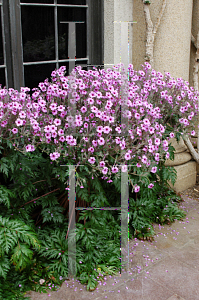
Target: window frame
[{"x": 12, "y": 33}]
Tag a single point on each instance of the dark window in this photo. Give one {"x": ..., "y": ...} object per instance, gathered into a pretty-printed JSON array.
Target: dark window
[
  {"x": 38, "y": 35},
  {"x": 37, "y": 73}
]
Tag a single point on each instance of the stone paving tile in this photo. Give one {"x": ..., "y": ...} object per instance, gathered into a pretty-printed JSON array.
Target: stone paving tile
[
  {"x": 188, "y": 202},
  {"x": 196, "y": 241},
  {"x": 168, "y": 242},
  {"x": 70, "y": 290},
  {"x": 140, "y": 288},
  {"x": 175, "y": 297},
  {"x": 179, "y": 233},
  {"x": 177, "y": 277},
  {"x": 188, "y": 255}
]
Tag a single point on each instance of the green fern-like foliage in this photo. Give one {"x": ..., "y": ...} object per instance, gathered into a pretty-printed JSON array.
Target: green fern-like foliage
[
  {"x": 31, "y": 187},
  {"x": 15, "y": 239}
]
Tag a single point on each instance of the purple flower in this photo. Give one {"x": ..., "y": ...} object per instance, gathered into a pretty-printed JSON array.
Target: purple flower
[
  {"x": 60, "y": 131},
  {"x": 91, "y": 160},
  {"x": 105, "y": 170},
  {"x": 154, "y": 170},
  {"x": 171, "y": 135},
  {"x": 127, "y": 156},
  {"x": 14, "y": 130},
  {"x": 62, "y": 139},
  {"x": 53, "y": 106},
  {"x": 57, "y": 122},
  {"x": 54, "y": 155},
  {"x": 28, "y": 148},
  {"x": 157, "y": 155},
  {"x": 114, "y": 170},
  {"x": 151, "y": 185},
  {"x": 101, "y": 141},
  {"x": 19, "y": 122},
  {"x": 48, "y": 135},
  {"x": 136, "y": 188},
  {"x": 91, "y": 149},
  {"x": 102, "y": 163},
  {"x": 151, "y": 130},
  {"x": 144, "y": 159},
  {"x": 107, "y": 129},
  {"x": 193, "y": 132},
  {"x": 157, "y": 141}
]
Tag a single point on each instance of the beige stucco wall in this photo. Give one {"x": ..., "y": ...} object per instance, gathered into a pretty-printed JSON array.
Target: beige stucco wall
[{"x": 172, "y": 40}]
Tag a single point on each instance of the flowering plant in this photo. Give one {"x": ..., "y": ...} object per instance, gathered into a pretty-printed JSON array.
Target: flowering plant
[{"x": 45, "y": 120}]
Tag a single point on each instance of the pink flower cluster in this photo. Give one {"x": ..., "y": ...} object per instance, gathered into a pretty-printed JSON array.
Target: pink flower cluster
[{"x": 149, "y": 100}]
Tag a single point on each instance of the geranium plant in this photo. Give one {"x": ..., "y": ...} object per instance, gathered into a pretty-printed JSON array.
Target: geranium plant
[
  {"x": 42, "y": 121},
  {"x": 44, "y": 118}
]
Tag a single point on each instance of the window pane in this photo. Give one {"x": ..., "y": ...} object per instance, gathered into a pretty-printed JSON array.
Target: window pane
[
  {"x": 73, "y": 2},
  {"x": 2, "y": 77},
  {"x": 72, "y": 14},
  {"x": 37, "y": 73},
  {"x": 1, "y": 44},
  {"x": 37, "y": 1},
  {"x": 38, "y": 33}
]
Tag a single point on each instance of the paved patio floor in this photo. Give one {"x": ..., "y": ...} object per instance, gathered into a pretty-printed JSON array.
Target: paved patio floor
[{"x": 165, "y": 269}]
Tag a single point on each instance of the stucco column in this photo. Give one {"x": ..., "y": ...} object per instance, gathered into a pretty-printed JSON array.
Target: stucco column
[
  {"x": 172, "y": 40},
  {"x": 116, "y": 36}
]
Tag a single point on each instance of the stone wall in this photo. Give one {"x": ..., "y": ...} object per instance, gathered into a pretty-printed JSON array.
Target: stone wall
[{"x": 184, "y": 165}]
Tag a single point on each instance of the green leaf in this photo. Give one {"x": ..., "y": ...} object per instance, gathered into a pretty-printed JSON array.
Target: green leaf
[
  {"x": 4, "y": 266},
  {"x": 5, "y": 195},
  {"x": 13, "y": 230},
  {"x": 22, "y": 256},
  {"x": 3, "y": 166}
]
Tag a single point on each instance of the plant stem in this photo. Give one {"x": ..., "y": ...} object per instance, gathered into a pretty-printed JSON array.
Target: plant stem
[{"x": 40, "y": 197}]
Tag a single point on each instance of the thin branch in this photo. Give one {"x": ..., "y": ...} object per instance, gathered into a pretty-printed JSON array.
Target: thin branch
[
  {"x": 197, "y": 40},
  {"x": 195, "y": 76},
  {"x": 159, "y": 17},
  {"x": 189, "y": 145},
  {"x": 193, "y": 40},
  {"x": 151, "y": 30},
  {"x": 42, "y": 180},
  {"x": 149, "y": 23},
  {"x": 195, "y": 73},
  {"x": 40, "y": 197}
]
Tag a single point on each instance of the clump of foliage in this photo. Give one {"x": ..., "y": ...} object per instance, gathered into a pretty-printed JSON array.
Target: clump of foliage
[{"x": 34, "y": 222}]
